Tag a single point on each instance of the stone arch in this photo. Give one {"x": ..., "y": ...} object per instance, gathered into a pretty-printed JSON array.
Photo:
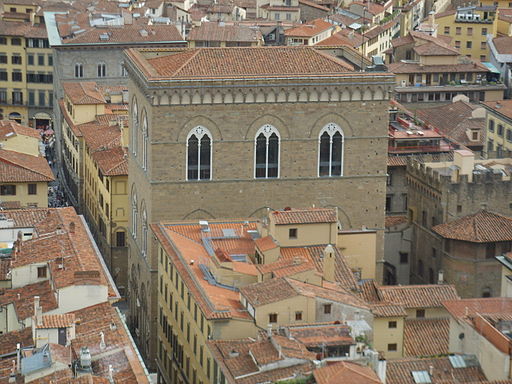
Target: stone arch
[
  {"x": 217, "y": 98},
  {"x": 313, "y": 95},
  {"x": 356, "y": 95},
  {"x": 331, "y": 117},
  {"x": 324, "y": 96},
  {"x": 368, "y": 95},
  {"x": 303, "y": 95},
  {"x": 207, "y": 98},
  {"x": 335, "y": 95},
  {"x": 261, "y": 212},
  {"x": 199, "y": 213},
  {"x": 239, "y": 97},
  {"x": 155, "y": 99},
  {"x": 196, "y": 98},
  {"x": 164, "y": 99},
  {"x": 196, "y": 121},
  {"x": 343, "y": 216},
  {"x": 185, "y": 98},
  {"x": 175, "y": 99},
  {"x": 228, "y": 98},
  {"x": 260, "y": 97},
  {"x": 267, "y": 119},
  {"x": 345, "y": 95},
  {"x": 379, "y": 94},
  {"x": 292, "y": 97},
  {"x": 249, "y": 98},
  {"x": 281, "y": 97},
  {"x": 271, "y": 97}
]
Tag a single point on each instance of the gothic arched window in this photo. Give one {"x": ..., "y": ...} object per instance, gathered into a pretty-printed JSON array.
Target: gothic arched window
[
  {"x": 330, "y": 151},
  {"x": 266, "y": 152},
  {"x": 135, "y": 126},
  {"x": 145, "y": 141},
  {"x": 199, "y": 154}
]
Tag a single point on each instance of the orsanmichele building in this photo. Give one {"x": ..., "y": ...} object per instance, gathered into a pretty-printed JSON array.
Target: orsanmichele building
[{"x": 232, "y": 132}]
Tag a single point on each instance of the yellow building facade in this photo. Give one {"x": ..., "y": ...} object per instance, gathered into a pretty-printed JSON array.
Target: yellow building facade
[
  {"x": 468, "y": 27},
  {"x": 26, "y": 66},
  {"x": 499, "y": 128}
]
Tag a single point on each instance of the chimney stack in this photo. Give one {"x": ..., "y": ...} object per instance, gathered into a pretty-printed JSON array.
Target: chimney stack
[
  {"x": 38, "y": 311},
  {"x": 440, "y": 276},
  {"x": 329, "y": 257}
]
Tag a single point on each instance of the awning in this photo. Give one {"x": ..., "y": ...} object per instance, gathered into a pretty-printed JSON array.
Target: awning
[{"x": 491, "y": 67}]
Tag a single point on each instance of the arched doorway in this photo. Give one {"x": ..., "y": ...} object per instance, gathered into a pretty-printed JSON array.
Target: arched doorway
[
  {"x": 15, "y": 116},
  {"x": 41, "y": 120}
]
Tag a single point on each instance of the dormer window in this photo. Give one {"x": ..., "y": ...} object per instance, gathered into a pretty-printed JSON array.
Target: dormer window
[{"x": 475, "y": 135}]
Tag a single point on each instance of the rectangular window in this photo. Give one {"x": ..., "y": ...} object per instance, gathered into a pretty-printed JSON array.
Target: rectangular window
[
  {"x": 292, "y": 233},
  {"x": 491, "y": 125},
  {"x": 41, "y": 272},
  {"x": 391, "y": 324},
  {"x": 298, "y": 316},
  {"x": 121, "y": 239},
  {"x": 272, "y": 318},
  {"x": 392, "y": 347},
  {"x": 32, "y": 189},
  {"x": 457, "y": 44},
  {"x": 42, "y": 97},
  {"x": 404, "y": 257},
  {"x": 446, "y": 30},
  {"x": 469, "y": 44},
  {"x": 3, "y": 75},
  {"x": 3, "y": 41},
  {"x": 388, "y": 203},
  {"x": 15, "y": 41},
  {"x": 30, "y": 59},
  {"x": 509, "y": 135},
  {"x": 16, "y": 76},
  {"x": 458, "y": 30},
  {"x": 470, "y": 31},
  {"x": 483, "y": 57},
  {"x": 484, "y": 31},
  {"x": 40, "y": 59},
  {"x": 327, "y": 308},
  {"x": 500, "y": 130},
  {"x": 16, "y": 59},
  {"x": 483, "y": 45},
  {"x": 420, "y": 313},
  {"x": 7, "y": 190},
  {"x": 31, "y": 98},
  {"x": 50, "y": 60}
]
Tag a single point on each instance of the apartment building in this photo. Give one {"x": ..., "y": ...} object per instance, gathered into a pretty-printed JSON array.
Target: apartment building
[
  {"x": 454, "y": 192},
  {"x": 309, "y": 34},
  {"x": 201, "y": 180},
  {"x": 428, "y": 69},
  {"x": 498, "y": 123},
  {"x": 26, "y": 65},
  {"x": 500, "y": 55},
  {"x": 276, "y": 10},
  {"x": 506, "y": 267},
  {"x": 95, "y": 165},
  {"x": 468, "y": 28}
]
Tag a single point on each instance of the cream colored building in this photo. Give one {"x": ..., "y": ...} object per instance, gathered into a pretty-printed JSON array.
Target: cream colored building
[
  {"x": 498, "y": 128},
  {"x": 19, "y": 138}
]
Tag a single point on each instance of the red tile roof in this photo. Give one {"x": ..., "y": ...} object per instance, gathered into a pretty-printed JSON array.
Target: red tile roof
[
  {"x": 467, "y": 308},
  {"x": 57, "y": 321},
  {"x": 304, "y": 216},
  {"x": 23, "y": 299},
  {"x": 384, "y": 309},
  {"x": 9, "y": 128},
  {"x": 16, "y": 167},
  {"x": 400, "y": 371},
  {"x": 480, "y": 227},
  {"x": 503, "y": 45},
  {"x": 312, "y": 28},
  {"x": 222, "y": 32},
  {"x": 83, "y": 92},
  {"x": 266, "y": 243},
  {"x": 112, "y": 162},
  {"x": 408, "y": 67},
  {"x": 345, "y": 372},
  {"x": 393, "y": 221},
  {"x": 9, "y": 340},
  {"x": 239, "y": 62},
  {"x": 24, "y": 218},
  {"x": 502, "y": 107},
  {"x": 313, "y": 5},
  {"x": 418, "y": 296},
  {"x": 312, "y": 335},
  {"x": 426, "y": 337}
]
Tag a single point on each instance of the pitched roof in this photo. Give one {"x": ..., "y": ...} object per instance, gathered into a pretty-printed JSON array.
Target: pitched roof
[
  {"x": 112, "y": 162},
  {"x": 267, "y": 292},
  {"x": 426, "y": 337},
  {"x": 9, "y": 128},
  {"x": 313, "y": 5},
  {"x": 345, "y": 37},
  {"x": 238, "y": 62},
  {"x": 16, "y": 167},
  {"x": 467, "y": 308},
  {"x": 345, "y": 372},
  {"x": 393, "y": 221},
  {"x": 480, "y": 227},
  {"x": 408, "y": 67},
  {"x": 102, "y": 133},
  {"x": 385, "y": 309},
  {"x": 83, "y": 92},
  {"x": 64, "y": 320},
  {"x": 311, "y": 28},
  {"x": 266, "y": 243},
  {"x": 26, "y": 217},
  {"x": 503, "y": 44},
  {"x": 501, "y": 107},
  {"x": 9, "y": 340},
  {"x": 400, "y": 371},
  {"x": 304, "y": 216},
  {"x": 312, "y": 335},
  {"x": 418, "y": 296},
  {"x": 23, "y": 299},
  {"x": 223, "y": 32}
]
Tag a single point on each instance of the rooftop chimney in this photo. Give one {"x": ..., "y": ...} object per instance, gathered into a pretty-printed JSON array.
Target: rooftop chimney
[
  {"x": 72, "y": 227},
  {"x": 329, "y": 263},
  {"x": 102, "y": 342},
  {"x": 38, "y": 311},
  {"x": 110, "y": 373},
  {"x": 204, "y": 226}
]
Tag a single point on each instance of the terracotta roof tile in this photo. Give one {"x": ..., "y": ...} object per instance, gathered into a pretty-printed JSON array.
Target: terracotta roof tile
[
  {"x": 29, "y": 217},
  {"x": 400, "y": 371},
  {"x": 293, "y": 349},
  {"x": 267, "y": 292},
  {"x": 316, "y": 334},
  {"x": 83, "y": 92},
  {"x": 9, "y": 128},
  {"x": 408, "y": 67},
  {"x": 388, "y": 310},
  {"x": 102, "y": 133},
  {"x": 503, "y": 45},
  {"x": 305, "y": 216},
  {"x": 313, "y": 5},
  {"x": 112, "y": 162},
  {"x": 426, "y": 337},
  {"x": 418, "y": 296},
  {"x": 311, "y": 28},
  {"x": 23, "y": 299},
  {"x": 16, "y": 167},
  {"x": 222, "y": 32},
  {"x": 480, "y": 227},
  {"x": 393, "y": 221},
  {"x": 501, "y": 107},
  {"x": 57, "y": 321},
  {"x": 345, "y": 372},
  {"x": 467, "y": 308},
  {"x": 9, "y": 340},
  {"x": 239, "y": 62},
  {"x": 266, "y": 243}
]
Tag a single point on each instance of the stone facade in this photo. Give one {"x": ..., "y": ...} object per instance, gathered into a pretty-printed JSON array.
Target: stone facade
[
  {"x": 233, "y": 111},
  {"x": 434, "y": 198}
]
